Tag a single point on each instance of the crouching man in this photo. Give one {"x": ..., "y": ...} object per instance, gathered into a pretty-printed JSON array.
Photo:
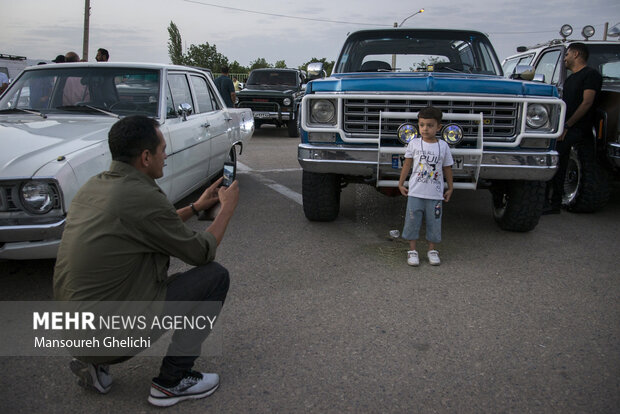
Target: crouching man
[{"x": 120, "y": 233}]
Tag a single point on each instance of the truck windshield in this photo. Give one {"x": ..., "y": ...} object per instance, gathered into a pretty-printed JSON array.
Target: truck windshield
[
  {"x": 606, "y": 59},
  {"x": 275, "y": 78},
  {"x": 418, "y": 51},
  {"x": 56, "y": 89}
]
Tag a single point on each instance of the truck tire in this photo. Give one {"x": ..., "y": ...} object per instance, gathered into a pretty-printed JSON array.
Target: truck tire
[
  {"x": 293, "y": 131},
  {"x": 586, "y": 185},
  {"x": 518, "y": 205},
  {"x": 321, "y": 196}
]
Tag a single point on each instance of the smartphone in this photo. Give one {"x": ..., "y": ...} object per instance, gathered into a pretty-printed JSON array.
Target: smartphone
[{"x": 229, "y": 174}]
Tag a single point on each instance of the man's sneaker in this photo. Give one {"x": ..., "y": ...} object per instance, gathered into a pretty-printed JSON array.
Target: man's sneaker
[
  {"x": 193, "y": 385},
  {"x": 412, "y": 258},
  {"x": 433, "y": 257},
  {"x": 92, "y": 377}
]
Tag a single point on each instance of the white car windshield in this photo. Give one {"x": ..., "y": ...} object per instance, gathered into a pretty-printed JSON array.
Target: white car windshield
[{"x": 57, "y": 89}]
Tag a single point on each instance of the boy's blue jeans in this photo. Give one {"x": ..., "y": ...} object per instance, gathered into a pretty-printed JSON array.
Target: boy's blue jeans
[{"x": 431, "y": 210}]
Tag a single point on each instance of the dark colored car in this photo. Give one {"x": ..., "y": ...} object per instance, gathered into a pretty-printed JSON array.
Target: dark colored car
[{"x": 274, "y": 96}]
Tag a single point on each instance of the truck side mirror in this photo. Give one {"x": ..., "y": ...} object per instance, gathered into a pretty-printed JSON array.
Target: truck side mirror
[
  {"x": 523, "y": 72},
  {"x": 315, "y": 71}
]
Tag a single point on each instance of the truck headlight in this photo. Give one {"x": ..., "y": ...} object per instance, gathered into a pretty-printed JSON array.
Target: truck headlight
[
  {"x": 323, "y": 111},
  {"x": 537, "y": 116},
  {"x": 452, "y": 134},
  {"x": 407, "y": 132},
  {"x": 286, "y": 102},
  {"x": 37, "y": 197}
]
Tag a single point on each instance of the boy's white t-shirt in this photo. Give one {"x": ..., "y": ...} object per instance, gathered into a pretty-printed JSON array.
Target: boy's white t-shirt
[{"x": 428, "y": 161}]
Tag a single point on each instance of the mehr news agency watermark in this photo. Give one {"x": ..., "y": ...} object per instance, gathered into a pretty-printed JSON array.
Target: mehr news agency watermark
[{"x": 104, "y": 328}]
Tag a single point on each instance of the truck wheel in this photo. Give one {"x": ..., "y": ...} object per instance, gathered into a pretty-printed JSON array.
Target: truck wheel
[
  {"x": 321, "y": 196},
  {"x": 586, "y": 185},
  {"x": 518, "y": 205},
  {"x": 293, "y": 131}
]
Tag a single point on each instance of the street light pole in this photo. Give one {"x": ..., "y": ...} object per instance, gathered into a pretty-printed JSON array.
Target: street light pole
[
  {"x": 418, "y": 12},
  {"x": 396, "y": 25}
]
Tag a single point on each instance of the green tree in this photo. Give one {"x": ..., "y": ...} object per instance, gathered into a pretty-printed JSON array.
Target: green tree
[
  {"x": 280, "y": 64},
  {"x": 235, "y": 67},
  {"x": 259, "y": 63},
  {"x": 327, "y": 65},
  {"x": 175, "y": 45},
  {"x": 205, "y": 56}
]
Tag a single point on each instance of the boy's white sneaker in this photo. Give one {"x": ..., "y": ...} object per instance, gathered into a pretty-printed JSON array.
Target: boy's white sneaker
[
  {"x": 433, "y": 258},
  {"x": 412, "y": 258}
]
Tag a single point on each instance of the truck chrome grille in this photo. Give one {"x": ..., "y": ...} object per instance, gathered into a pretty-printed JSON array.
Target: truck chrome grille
[{"x": 501, "y": 119}]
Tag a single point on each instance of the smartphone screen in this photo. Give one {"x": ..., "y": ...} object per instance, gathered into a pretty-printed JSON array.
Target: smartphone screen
[{"x": 229, "y": 174}]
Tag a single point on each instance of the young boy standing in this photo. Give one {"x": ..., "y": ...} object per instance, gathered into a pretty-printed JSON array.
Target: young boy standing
[{"x": 428, "y": 159}]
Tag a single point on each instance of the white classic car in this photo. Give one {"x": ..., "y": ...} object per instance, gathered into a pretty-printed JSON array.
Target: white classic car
[{"x": 54, "y": 123}]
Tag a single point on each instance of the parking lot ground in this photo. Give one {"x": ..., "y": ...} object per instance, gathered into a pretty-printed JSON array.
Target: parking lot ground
[{"x": 328, "y": 317}]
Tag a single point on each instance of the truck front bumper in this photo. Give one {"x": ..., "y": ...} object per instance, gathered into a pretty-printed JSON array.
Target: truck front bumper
[
  {"x": 362, "y": 161},
  {"x": 272, "y": 116},
  {"x": 30, "y": 242}
]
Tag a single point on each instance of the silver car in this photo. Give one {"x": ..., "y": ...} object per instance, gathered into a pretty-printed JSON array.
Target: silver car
[{"x": 54, "y": 121}]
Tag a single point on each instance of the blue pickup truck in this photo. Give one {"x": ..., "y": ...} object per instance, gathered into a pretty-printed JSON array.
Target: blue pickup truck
[{"x": 501, "y": 131}]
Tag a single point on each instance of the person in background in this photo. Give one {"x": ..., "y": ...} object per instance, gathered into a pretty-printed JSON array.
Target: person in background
[
  {"x": 580, "y": 91},
  {"x": 40, "y": 90},
  {"x": 226, "y": 88},
  {"x": 4, "y": 81},
  {"x": 102, "y": 55},
  {"x": 74, "y": 91}
]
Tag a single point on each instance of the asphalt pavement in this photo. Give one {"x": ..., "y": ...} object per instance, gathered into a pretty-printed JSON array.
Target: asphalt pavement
[{"x": 329, "y": 318}]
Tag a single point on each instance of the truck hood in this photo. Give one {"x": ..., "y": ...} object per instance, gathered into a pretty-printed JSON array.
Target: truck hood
[
  {"x": 29, "y": 142},
  {"x": 266, "y": 90},
  {"x": 439, "y": 83}
]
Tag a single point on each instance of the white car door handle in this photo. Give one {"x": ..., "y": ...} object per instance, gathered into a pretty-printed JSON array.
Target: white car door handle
[{"x": 206, "y": 125}]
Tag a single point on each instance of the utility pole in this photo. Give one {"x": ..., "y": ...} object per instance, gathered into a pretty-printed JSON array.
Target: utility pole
[
  {"x": 86, "y": 30},
  {"x": 394, "y": 56}
]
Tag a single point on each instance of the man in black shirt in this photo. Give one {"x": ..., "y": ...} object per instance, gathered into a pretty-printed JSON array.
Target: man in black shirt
[
  {"x": 226, "y": 88},
  {"x": 580, "y": 90}
]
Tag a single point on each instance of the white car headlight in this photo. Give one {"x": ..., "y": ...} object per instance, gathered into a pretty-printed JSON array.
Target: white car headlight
[
  {"x": 323, "y": 111},
  {"x": 537, "y": 116},
  {"x": 287, "y": 101},
  {"x": 37, "y": 197}
]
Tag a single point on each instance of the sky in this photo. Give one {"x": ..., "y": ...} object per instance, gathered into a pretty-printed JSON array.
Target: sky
[{"x": 136, "y": 30}]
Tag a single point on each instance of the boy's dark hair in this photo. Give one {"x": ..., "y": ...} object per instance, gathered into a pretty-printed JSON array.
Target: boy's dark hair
[
  {"x": 132, "y": 135},
  {"x": 581, "y": 49},
  {"x": 430, "y": 112},
  {"x": 225, "y": 69}
]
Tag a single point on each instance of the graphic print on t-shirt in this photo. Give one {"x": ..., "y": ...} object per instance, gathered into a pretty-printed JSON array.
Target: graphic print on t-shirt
[{"x": 427, "y": 171}]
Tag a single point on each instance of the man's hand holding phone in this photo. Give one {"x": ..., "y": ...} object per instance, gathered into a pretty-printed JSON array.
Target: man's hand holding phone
[
  {"x": 229, "y": 196},
  {"x": 229, "y": 174},
  {"x": 209, "y": 197}
]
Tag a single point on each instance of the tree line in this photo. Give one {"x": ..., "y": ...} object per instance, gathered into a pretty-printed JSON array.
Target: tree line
[{"x": 206, "y": 56}]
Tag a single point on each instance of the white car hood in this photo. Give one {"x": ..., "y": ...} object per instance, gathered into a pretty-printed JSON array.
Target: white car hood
[{"x": 28, "y": 143}]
